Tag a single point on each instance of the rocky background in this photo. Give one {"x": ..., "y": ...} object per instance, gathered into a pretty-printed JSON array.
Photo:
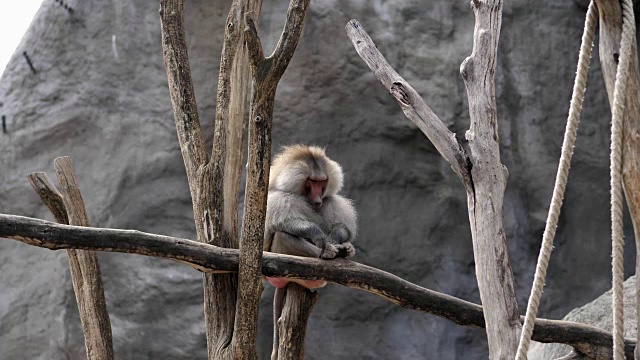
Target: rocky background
[{"x": 99, "y": 94}]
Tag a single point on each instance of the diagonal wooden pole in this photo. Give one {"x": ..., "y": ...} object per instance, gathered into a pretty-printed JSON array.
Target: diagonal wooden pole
[{"x": 68, "y": 208}]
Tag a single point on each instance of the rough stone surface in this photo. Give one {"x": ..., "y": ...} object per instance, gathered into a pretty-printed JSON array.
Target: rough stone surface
[
  {"x": 596, "y": 313},
  {"x": 99, "y": 94}
]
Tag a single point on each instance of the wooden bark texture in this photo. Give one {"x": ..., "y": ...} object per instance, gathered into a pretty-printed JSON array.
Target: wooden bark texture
[
  {"x": 413, "y": 106},
  {"x": 483, "y": 174},
  {"x": 49, "y": 195},
  {"x": 232, "y": 102},
  {"x": 219, "y": 291},
  {"x": 214, "y": 184},
  {"x": 485, "y": 201},
  {"x": 298, "y": 304},
  {"x": 204, "y": 257},
  {"x": 84, "y": 265},
  {"x": 226, "y": 170},
  {"x": 610, "y": 13},
  {"x": 266, "y": 73}
]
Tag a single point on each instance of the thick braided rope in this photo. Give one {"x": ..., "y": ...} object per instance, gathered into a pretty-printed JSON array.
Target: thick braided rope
[
  {"x": 579, "y": 87},
  {"x": 617, "y": 239}
]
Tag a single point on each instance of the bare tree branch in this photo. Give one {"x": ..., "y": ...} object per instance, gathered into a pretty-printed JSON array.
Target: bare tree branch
[
  {"x": 220, "y": 291},
  {"x": 413, "y": 106},
  {"x": 298, "y": 304},
  {"x": 493, "y": 267},
  {"x": 254, "y": 46},
  {"x": 219, "y": 180},
  {"x": 219, "y": 294},
  {"x": 214, "y": 184},
  {"x": 483, "y": 175},
  {"x": 183, "y": 98},
  {"x": 290, "y": 35},
  {"x": 264, "y": 83},
  {"x": 205, "y": 257},
  {"x": 610, "y": 13},
  {"x": 84, "y": 265},
  {"x": 50, "y": 196}
]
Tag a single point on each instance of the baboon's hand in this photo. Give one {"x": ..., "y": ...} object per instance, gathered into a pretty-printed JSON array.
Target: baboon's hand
[
  {"x": 346, "y": 250},
  {"x": 329, "y": 251}
]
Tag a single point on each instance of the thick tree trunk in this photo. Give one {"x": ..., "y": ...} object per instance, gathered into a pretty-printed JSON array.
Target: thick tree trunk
[
  {"x": 298, "y": 304},
  {"x": 610, "y": 13},
  {"x": 215, "y": 183},
  {"x": 266, "y": 73},
  {"x": 486, "y": 197}
]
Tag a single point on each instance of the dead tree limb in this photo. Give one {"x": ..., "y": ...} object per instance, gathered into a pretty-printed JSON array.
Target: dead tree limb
[
  {"x": 483, "y": 175},
  {"x": 413, "y": 106},
  {"x": 493, "y": 268},
  {"x": 219, "y": 291},
  {"x": 610, "y": 13},
  {"x": 231, "y": 115},
  {"x": 49, "y": 195},
  {"x": 298, "y": 304},
  {"x": 214, "y": 184},
  {"x": 176, "y": 60},
  {"x": 226, "y": 170},
  {"x": 204, "y": 257},
  {"x": 68, "y": 208},
  {"x": 266, "y": 73}
]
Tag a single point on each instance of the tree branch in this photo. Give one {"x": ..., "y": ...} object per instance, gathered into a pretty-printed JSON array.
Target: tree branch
[
  {"x": 610, "y": 13},
  {"x": 50, "y": 196},
  {"x": 204, "y": 257},
  {"x": 183, "y": 98},
  {"x": 266, "y": 75},
  {"x": 84, "y": 265},
  {"x": 219, "y": 180},
  {"x": 254, "y": 46},
  {"x": 265, "y": 82},
  {"x": 485, "y": 203},
  {"x": 483, "y": 175},
  {"x": 291, "y": 32},
  {"x": 298, "y": 304},
  {"x": 219, "y": 293},
  {"x": 413, "y": 106}
]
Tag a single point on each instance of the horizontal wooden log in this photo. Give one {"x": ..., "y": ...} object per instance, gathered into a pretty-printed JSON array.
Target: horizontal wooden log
[{"x": 208, "y": 258}]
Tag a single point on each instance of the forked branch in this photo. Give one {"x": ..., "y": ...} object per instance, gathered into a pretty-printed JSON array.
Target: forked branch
[
  {"x": 266, "y": 73},
  {"x": 204, "y": 257},
  {"x": 482, "y": 173},
  {"x": 68, "y": 207},
  {"x": 411, "y": 103}
]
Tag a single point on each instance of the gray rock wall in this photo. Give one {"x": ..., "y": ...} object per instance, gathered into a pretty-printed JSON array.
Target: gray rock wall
[{"x": 100, "y": 96}]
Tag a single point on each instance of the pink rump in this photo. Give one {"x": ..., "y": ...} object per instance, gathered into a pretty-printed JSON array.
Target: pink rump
[{"x": 309, "y": 284}]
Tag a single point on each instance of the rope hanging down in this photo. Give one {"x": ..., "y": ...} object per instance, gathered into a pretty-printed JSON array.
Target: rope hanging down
[
  {"x": 579, "y": 87},
  {"x": 617, "y": 240}
]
